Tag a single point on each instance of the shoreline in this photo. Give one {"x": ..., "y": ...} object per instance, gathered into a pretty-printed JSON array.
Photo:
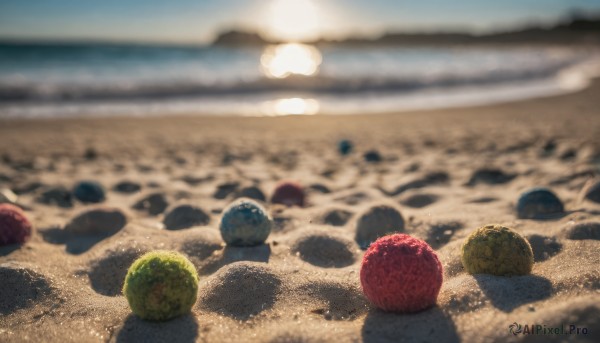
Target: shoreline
[
  {"x": 567, "y": 82},
  {"x": 591, "y": 82},
  {"x": 27, "y": 138}
]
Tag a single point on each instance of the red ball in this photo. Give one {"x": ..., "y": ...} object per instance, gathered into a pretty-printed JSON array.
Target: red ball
[
  {"x": 14, "y": 226},
  {"x": 400, "y": 273},
  {"x": 288, "y": 193}
]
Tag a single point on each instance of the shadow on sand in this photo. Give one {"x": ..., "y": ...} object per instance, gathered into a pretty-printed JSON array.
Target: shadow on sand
[
  {"x": 432, "y": 325},
  {"x": 74, "y": 245},
  {"x": 182, "y": 329},
  {"x": 508, "y": 293},
  {"x": 259, "y": 253},
  {"x": 8, "y": 249}
]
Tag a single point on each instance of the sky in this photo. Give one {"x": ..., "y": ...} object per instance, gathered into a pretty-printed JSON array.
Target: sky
[{"x": 198, "y": 21}]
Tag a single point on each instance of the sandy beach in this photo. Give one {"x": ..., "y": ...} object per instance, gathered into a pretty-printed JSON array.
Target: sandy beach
[{"x": 447, "y": 171}]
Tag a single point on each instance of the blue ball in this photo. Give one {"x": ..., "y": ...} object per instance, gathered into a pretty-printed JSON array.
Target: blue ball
[
  {"x": 245, "y": 223},
  {"x": 345, "y": 146},
  {"x": 538, "y": 203},
  {"x": 89, "y": 192}
]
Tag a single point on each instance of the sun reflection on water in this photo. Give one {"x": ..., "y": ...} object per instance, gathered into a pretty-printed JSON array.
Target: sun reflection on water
[
  {"x": 283, "y": 60},
  {"x": 290, "y": 106}
]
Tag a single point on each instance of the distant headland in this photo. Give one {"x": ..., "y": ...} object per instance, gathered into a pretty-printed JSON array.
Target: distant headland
[{"x": 573, "y": 31}]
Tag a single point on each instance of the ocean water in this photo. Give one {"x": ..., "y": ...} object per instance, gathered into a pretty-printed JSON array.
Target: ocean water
[{"x": 53, "y": 80}]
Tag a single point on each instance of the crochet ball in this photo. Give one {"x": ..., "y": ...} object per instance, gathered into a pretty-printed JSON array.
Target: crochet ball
[
  {"x": 288, "y": 193},
  {"x": 400, "y": 273},
  {"x": 496, "y": 250},
  {"x": 15, "y": 228},
  {"x": 245, "y": 223},
  {"x": 538, "y": 203},
  {"x": 161, "y": 285},
  {"x": 89, "y": 192}
]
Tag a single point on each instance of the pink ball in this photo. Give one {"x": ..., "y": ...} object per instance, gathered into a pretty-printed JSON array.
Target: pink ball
[
  {"x": 400, "y": 273},
  {"x": 14, "y": 226},
  {"x": 288, "y": 193}
]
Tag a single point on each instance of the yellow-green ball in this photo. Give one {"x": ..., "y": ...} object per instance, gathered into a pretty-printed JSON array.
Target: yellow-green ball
[
  {"x": 161, "y": 285},
  {"x": 496, "y": 250}
]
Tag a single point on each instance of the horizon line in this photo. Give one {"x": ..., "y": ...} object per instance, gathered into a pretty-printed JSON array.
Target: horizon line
[{"x": 373, "y": 36}]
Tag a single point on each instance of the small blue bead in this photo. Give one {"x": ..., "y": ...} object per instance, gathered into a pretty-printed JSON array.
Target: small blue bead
[
  {"x": 345, "y": 146},
  {"x": 89, "y": 191},
  {"x": 538, "y": 203},
  {"x": 245, "y": 223}
]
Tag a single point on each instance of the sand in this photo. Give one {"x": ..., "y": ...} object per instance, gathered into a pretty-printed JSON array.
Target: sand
[{"x": 447, "y": 171}]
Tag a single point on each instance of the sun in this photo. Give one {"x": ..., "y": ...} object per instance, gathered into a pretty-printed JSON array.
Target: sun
[{"x": 293, "y": 20}]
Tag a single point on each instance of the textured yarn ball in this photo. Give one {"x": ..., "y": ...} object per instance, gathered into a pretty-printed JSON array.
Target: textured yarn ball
[
  {"x": 400, "y": 273},
  {"x": 288, "y": 193},
  {"x": 89, "y": 192},
  {"x": 345, "y": 147},
  {"x": 496, "y": 250},
  {"x": 161, "y": 285},
  {"x": 15, "y": 228},
  {"x": 376, "y": 222},
  {"x": 245, "y": 223},
  {"x": 538, "y": 203}
]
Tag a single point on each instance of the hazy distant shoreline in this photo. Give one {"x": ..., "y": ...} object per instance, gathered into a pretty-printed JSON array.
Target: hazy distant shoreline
[
  {"x": 571, "y": 32},
  {"x": 574, "y": 31}
]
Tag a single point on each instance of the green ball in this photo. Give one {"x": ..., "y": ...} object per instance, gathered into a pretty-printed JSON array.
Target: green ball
[
  {"x": 496, "y": 250},
  {"x": 161, "y": 285}
]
